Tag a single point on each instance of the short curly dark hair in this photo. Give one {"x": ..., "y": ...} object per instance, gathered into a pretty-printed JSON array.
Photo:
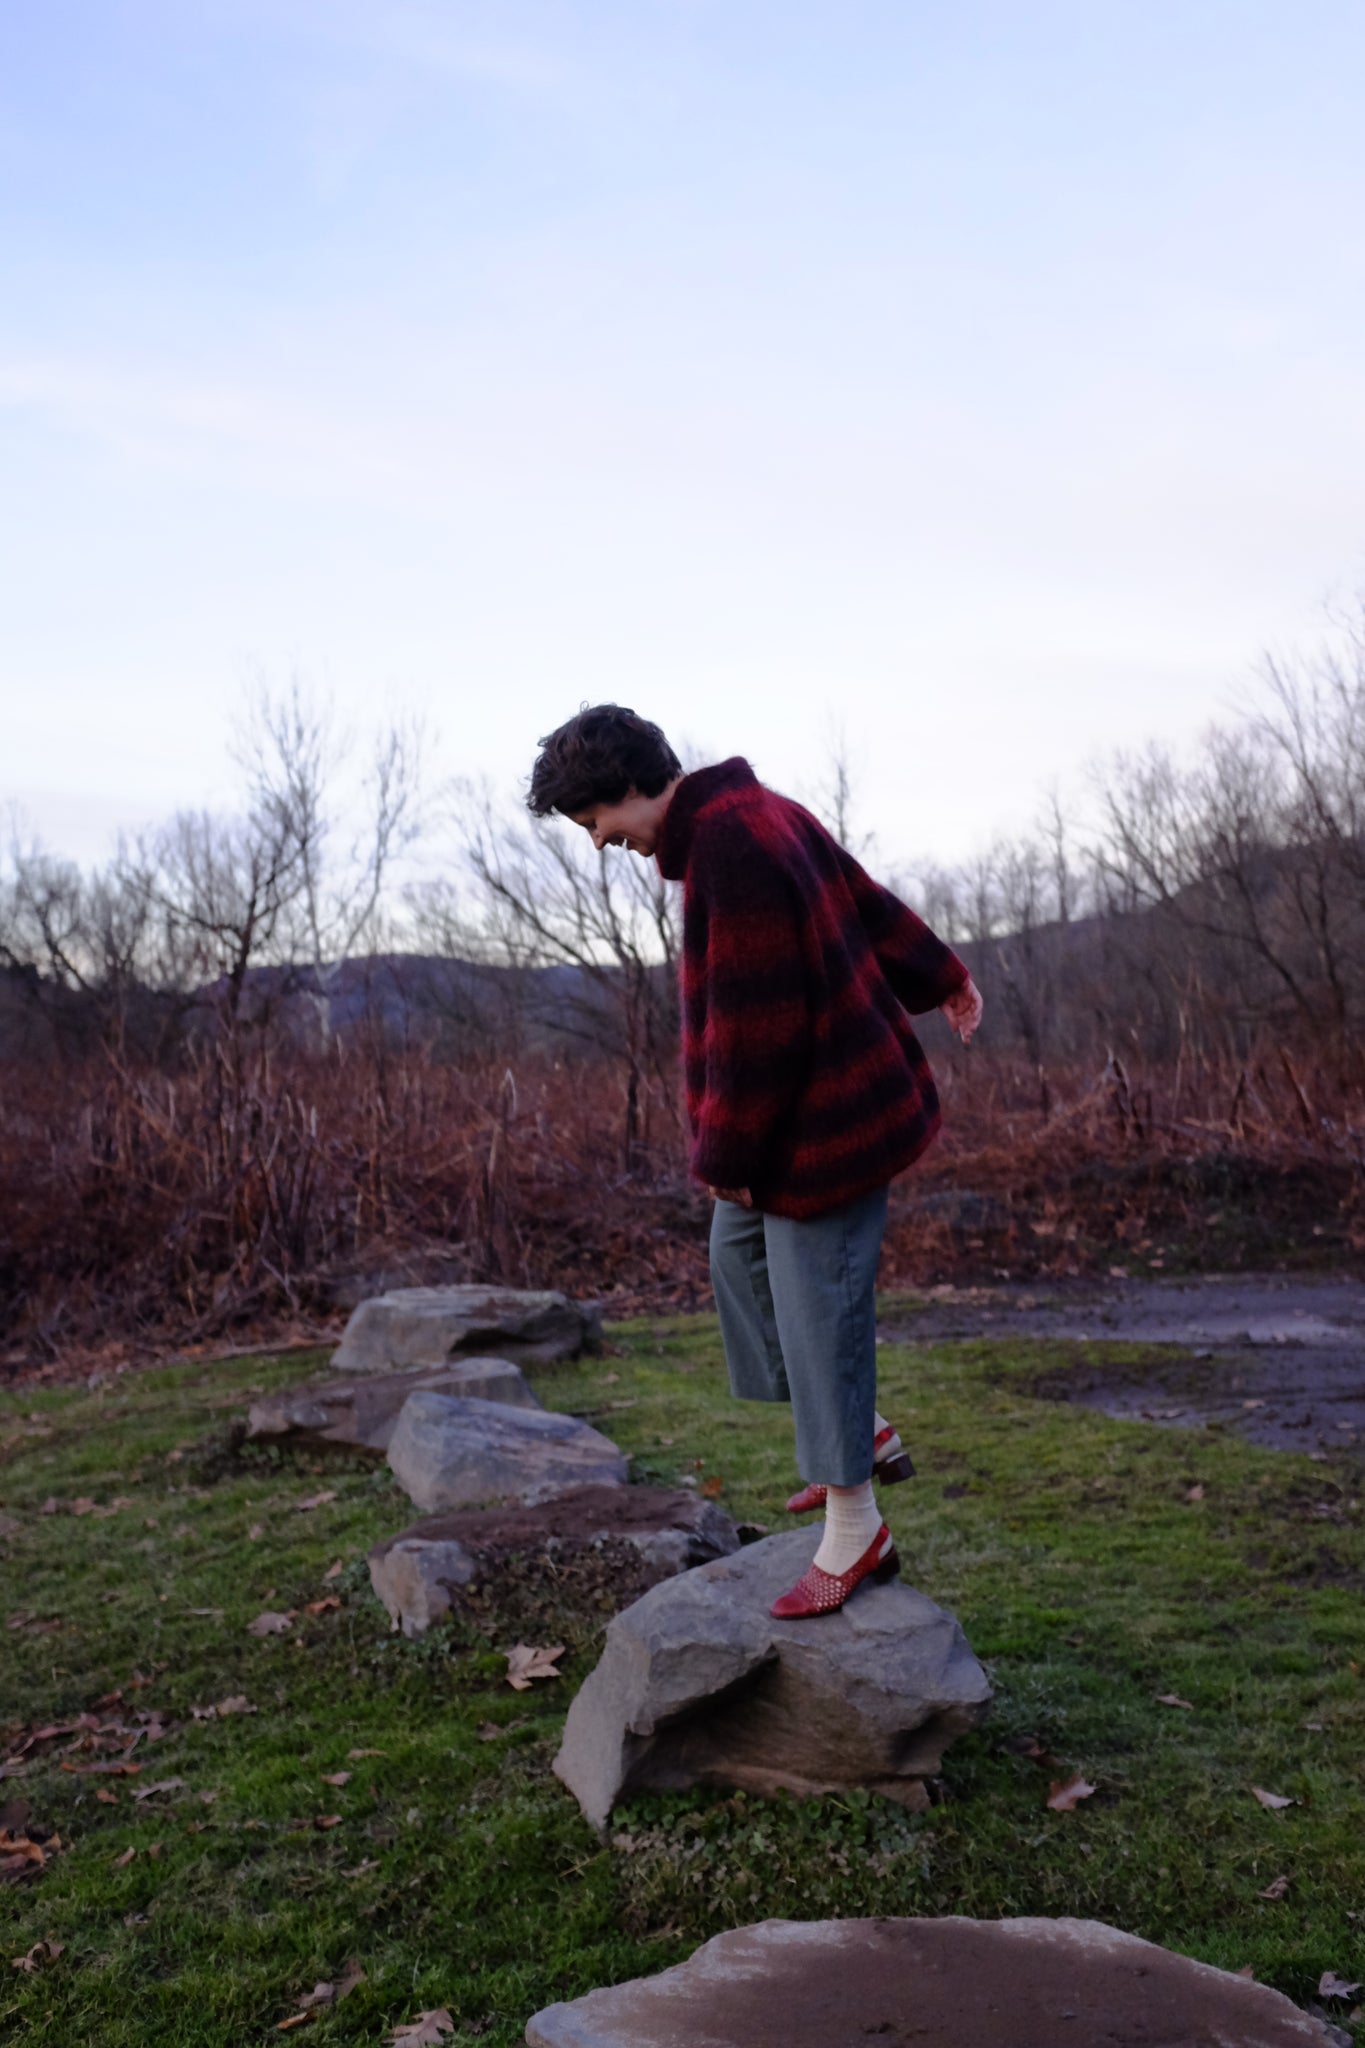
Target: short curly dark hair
[{"x": 596, "y": 758}]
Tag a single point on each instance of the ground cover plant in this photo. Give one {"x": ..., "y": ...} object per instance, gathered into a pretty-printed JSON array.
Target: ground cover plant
[{"x": 1170, "y": 1617}]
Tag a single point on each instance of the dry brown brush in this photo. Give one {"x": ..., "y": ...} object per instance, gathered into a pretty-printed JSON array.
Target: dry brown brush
[
  {"x": 145, "y": 1206},
  {"x": 229, "y": 1097}
]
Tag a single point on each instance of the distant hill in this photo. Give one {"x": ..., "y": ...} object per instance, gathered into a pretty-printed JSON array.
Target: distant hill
[{"x": 408, "y": 997}]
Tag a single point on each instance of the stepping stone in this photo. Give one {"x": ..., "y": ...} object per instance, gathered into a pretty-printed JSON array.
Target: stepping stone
[
  {"x": 432, "y": 1325},
  {"x": 950, "y": 1983},
  {"x": 699, "y": 1684},
  {"x": 362, "y": 1412},
  {"x": 415, "y": 1571},
  {"x": 448, "y": 1452}
]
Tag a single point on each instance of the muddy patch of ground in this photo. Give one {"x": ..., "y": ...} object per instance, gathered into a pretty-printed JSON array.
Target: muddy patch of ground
[{"x": 1279, "y": 1359}]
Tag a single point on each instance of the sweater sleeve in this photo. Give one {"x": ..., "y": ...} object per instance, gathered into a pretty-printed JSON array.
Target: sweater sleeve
[
  {"x": 921, "y": 970},
  {"x": 753, "y": 1007}
]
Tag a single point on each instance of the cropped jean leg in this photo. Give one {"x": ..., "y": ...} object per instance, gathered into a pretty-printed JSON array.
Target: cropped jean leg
[{"x": 796, "y": 1302}]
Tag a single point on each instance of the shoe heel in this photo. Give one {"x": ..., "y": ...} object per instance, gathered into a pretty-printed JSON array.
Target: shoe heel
[
  {"x": 889, "y": 1566},
  {"x": 893, "y": 1470}
]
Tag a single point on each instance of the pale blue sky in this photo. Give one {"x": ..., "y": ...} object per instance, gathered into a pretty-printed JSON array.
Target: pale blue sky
[{"x": 989, "y": 378}]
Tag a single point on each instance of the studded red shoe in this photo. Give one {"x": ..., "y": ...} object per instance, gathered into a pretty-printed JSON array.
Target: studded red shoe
[
  {"x": 820, "y": 1592},
  {"x": 890, "y": 1464}
]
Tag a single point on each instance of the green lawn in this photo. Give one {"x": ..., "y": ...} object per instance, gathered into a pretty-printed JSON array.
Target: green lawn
[{"x": 460, "y": 1873}]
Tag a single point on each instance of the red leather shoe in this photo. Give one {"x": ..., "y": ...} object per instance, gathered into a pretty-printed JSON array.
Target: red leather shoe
[
  {"x": 820, "y": 1592},
  {"x": 890, "y": 1464}
]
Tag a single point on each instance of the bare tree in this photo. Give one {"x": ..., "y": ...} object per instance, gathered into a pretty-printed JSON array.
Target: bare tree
[
  {"x": 294, "y": 760},
  {"x": 541, "y": 898},
  {"x": 834, "y": 799},
  {"x": 1255, "y": 851}
]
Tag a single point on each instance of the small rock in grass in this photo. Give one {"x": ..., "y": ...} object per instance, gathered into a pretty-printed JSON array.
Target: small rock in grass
[{"x": 452, "y": 1453}]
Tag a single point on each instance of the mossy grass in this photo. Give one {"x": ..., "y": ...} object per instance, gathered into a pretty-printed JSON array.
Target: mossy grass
[{"x": 1095, "y": 1564}]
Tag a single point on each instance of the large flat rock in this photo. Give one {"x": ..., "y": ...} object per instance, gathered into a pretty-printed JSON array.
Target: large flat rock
[
  {"x": 698, "y": 1684},
  {"x": 449, "y": 1452},
  {"x": 362, "y": 1411},
  {"x": 432, "y": 1325},
  {"x": 950, "y": 1983},
  {"x": 416, "y": 1572}
]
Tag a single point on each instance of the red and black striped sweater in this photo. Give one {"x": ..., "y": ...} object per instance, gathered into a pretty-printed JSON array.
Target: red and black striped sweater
[{"x": 804, "y": 1080}]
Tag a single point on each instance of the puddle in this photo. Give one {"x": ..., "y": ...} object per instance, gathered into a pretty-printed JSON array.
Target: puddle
[{"x": 1278, "y": 1360}]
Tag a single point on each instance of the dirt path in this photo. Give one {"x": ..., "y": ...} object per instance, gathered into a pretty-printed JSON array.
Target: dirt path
[{"x": 1280, "y": 1359}]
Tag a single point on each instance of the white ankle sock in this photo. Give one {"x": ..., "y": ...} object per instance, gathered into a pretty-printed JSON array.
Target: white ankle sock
[
  {"x": 852, "y": 1519},
  {"x": 879, "y": 1423}
]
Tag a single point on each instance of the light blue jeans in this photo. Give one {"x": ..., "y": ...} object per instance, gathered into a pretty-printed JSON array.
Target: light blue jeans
[{"x": 796, "y": 1302}]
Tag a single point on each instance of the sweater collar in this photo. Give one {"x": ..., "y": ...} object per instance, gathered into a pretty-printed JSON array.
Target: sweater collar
[{"x": 689, "y": 800}]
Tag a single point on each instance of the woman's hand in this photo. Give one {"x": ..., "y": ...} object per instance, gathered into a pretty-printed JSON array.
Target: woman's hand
[
  {"x": 963, "y": 1009},
  {"x": 740, "y": 1195}
]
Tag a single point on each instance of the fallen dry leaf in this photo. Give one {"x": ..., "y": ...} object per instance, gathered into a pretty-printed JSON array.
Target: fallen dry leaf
[
  {"x": 40, "y": 1953},
  {"x": 1195, "y": 1493},
  {"x": 333, "y": 1571},
  {"x": 428, "y": 2030},
  {"x": 324, "y": 1994},
  {"x": 207, "y": 1798},
  {"x": 1173, "y": 1699},
  {"x": 1247, "y": 1970},
  {"x": 355, "y": 1754},
  {"x": 370, "y": 1863},
  {"x": 21, "y": 1849},
  {"x": 254, "y": 1535},
  {"x": 50, "y": 1506},
  {"x": 126, "y": 1857},
  {"x": 314, "y": 1500},
  {"x": 713, "y": 1488},
  {"x": 1274, "y": 1800},
  {"x": 297, "y": 2019},
  {"x": 321, "y": 1606},
  {"x": 327, "y": 1820},
  {"x": 161, "y": 1785},
  {"x": 1276, "y": 1889},
  {"x": 106, "y": 1798},
  {"x": 524, "y": 1662},
  {"x": 1024, "y": 1745},
  {"x": 337, "y": 1777},
  {"x": 269, "y": 1624},
  {"x": 1332, "y": 1986},
  {"x": 1062, "y": 1798}
]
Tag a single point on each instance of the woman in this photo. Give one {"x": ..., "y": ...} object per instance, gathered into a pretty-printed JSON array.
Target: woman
[{"x": 807, "y": 1091}]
